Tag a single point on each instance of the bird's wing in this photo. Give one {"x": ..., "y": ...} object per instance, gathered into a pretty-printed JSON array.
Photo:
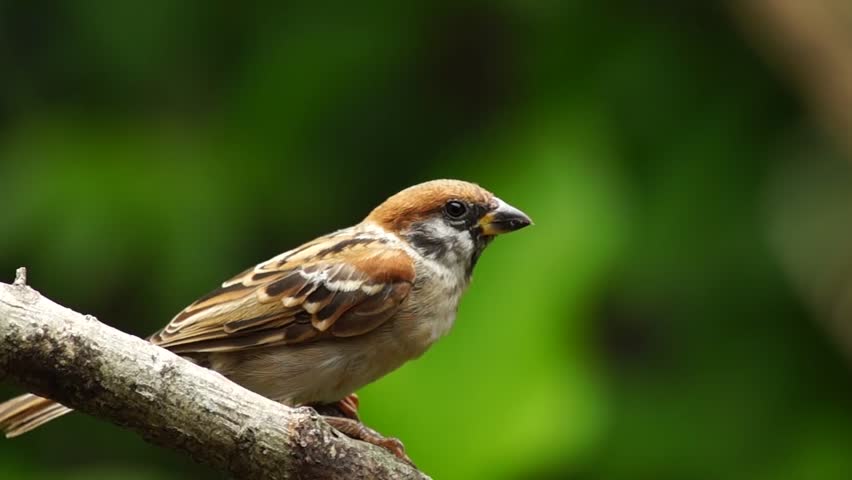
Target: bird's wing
[{"x": 341, "y": 285}]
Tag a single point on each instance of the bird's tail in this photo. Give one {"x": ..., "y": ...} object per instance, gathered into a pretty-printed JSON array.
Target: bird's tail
[{"x": 22, "y": 414}]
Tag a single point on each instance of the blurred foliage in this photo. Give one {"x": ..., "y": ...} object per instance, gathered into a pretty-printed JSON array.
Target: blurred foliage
[{"x": 644, "y": 328}]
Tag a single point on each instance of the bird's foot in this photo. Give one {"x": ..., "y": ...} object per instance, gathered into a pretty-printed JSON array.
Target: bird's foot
[
  {"x": 357, "y": 430},
  {"x": 347, "y": 408}
]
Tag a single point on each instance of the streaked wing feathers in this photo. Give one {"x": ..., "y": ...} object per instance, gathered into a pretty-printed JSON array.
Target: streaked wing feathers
[{"x": 340, "y": 285}]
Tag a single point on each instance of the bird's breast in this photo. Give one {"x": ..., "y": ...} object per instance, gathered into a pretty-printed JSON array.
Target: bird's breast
[{"x": 430, "y": 310}]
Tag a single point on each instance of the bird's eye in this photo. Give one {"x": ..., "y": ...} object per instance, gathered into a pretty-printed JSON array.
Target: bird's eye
[{"x": 455, "y": 209}]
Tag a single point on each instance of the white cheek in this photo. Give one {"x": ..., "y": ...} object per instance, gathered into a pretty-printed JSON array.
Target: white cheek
[{"x": 464, "y": 244}]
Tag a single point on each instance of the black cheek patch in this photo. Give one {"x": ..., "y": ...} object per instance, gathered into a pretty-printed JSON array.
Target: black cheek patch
[{"x": 427, "y": 245}]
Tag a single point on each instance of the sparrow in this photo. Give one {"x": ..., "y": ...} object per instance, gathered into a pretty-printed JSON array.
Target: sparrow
[{"x": 314, "y": 324}]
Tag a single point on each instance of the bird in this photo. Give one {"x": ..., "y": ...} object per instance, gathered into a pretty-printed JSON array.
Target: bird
[{"x": 311, "y": 326}]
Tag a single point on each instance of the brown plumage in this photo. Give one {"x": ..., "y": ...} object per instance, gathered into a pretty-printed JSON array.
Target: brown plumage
[
  {"x": 339, "y": 287},
  {"x": 420, "y": 201},
  {"x": 315, "y": 323}
]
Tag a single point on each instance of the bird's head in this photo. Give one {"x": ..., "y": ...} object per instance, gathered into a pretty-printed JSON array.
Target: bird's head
[{"x": 449, "y": 221}]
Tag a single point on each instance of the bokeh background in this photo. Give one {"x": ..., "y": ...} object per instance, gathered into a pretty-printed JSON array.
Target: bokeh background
[{"x": 681, "y": 310}]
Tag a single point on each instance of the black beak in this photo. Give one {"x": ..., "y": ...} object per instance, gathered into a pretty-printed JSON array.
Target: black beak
[{"x": 503, "y": 219}]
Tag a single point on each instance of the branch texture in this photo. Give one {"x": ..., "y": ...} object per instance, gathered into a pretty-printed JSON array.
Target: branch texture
[{"x": 82, "y": 363}]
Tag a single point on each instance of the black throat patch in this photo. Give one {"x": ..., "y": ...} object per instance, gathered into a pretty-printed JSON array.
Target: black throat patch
[{"x": 480, "y": 241}]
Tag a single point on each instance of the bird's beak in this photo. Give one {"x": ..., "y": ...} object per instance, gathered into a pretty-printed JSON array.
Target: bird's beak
[{"x": 503, "y": 219}]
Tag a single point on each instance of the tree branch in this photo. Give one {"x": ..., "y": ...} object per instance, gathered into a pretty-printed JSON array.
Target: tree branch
[{"x": 84, "y": 364}]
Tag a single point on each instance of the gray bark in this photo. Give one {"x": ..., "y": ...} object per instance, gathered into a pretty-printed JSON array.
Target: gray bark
[{"x": 82, "y": 363}]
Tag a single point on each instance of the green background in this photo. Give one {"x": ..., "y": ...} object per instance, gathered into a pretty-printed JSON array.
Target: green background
[{"x": 648, "y": 325}]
